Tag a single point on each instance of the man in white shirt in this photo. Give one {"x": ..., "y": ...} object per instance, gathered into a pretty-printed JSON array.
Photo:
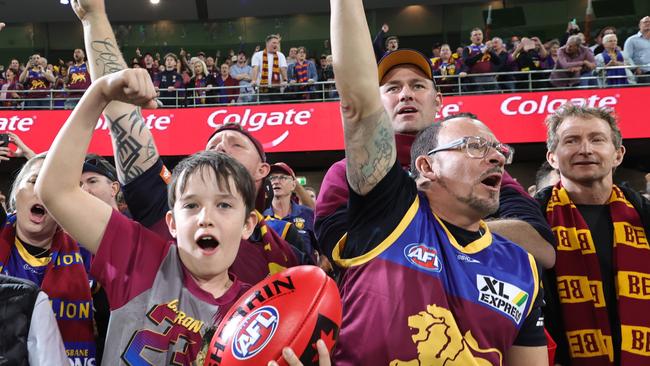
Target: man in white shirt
[{"x": 270, "y": 70}]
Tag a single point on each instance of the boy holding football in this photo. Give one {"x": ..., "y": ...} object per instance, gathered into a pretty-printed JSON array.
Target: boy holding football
[{"x": 181, "y": 287}]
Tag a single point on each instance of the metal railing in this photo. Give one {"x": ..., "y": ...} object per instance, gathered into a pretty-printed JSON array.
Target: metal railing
[
  {"x": 538, "y": 80},
  {"x": 471, "y": 84}
]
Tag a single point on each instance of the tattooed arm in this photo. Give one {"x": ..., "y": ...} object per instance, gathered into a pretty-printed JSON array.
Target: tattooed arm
[
  {"x": 369, "y": 141},
  {"x": 134, "y": 148},
  {"x": 80, "y": 214}
]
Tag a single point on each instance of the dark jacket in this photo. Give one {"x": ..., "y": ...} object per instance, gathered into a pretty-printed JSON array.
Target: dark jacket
[{"x": 17, "y": 299}]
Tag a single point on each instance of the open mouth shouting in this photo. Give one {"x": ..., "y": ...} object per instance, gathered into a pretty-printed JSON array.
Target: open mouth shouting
[
  {"x": 492, "y": 181},
  {"x": 37, "y": 214},
  {"x": 208, "y": 244}
]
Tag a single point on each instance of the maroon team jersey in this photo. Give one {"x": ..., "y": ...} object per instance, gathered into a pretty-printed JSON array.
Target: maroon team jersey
[
  {"x": 159, "y": 314},
  {"x": 415, "y": 295},
  {"x": 79, "y": 77}
]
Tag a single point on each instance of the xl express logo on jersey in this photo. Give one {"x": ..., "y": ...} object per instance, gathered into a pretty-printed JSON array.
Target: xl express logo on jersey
[
  {"x": 254, "y": 332},
  {"x": 503, "y": 296},
  {"x": 423, "y": 257}
]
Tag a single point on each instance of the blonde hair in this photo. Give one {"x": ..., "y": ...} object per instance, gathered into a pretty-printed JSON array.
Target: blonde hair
[
  {"x": 606, "y": 37},
  {"x": 204, "y": 67},
  {"x": 20, "y": 177}
]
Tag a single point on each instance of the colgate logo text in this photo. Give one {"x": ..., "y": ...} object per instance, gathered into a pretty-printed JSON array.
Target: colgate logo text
[
  {"x": 16, "y": 123},
  {"x": 160, "y": 123},
  {"x": 514, "y": 105},
  {"x": 256, "y": 121}
]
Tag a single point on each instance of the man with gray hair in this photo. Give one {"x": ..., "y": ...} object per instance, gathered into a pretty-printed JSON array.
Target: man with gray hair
[
  {"x": 577, "y": 60},
  {"x": 597, "y": 294},
  {"x": 637, "y": 48}
]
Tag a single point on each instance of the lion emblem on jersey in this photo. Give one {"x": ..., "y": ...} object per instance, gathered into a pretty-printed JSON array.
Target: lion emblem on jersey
[
  {"x": 439, "y": 342},
  {"x": 38, "y": 84},
  {"x": 77, "y": 78},
  {"x": 299, "y": 222}
]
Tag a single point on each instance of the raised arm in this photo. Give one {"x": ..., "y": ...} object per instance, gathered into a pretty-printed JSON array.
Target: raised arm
[
  {"x": 23, "y": 75},
  {"x": 134, "y": 148},
  {"x": 82, "y": 215},
  {"x": 369, "y": 141}
]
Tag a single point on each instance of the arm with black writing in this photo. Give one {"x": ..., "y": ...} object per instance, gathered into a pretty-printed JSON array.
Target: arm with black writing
[
  {"x": 133, "y": 143},
  {"x": 79, "y": 213},
  {"x": 369, "y": 141}
]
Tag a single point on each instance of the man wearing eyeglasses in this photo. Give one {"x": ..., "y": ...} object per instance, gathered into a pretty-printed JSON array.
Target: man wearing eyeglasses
[
  {"x": 412, "y": 104},
  {"x": 283, "y": 182},
  {"x": 425, "y": 281}
]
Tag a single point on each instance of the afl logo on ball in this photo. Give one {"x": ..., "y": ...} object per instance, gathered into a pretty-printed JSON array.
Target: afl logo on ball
[
  {"x": 254, "y": 332},
  {"x": 423, "y": 257}
]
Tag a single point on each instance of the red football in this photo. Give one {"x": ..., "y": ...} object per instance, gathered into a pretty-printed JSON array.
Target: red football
[{"x": 293, "y": 308}]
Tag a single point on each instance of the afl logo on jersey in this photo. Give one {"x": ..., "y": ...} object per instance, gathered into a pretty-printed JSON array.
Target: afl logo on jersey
[
  {"x": 423, "y": 257},
  {"x": 255, "y": 332}
]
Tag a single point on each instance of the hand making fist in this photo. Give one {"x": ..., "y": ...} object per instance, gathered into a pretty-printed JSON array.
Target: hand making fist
[
  {"x": 84, "y": 8},
  {"x": 131, "y": 86}
]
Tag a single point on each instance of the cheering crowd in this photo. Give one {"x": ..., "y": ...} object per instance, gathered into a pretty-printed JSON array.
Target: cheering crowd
[
  {"x": 441, "y": 257},
  {"x": 484, "y": 65}
]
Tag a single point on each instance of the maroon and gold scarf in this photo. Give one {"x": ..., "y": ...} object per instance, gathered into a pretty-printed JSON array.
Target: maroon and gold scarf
[
  {"x": 580, "y": 286},
  {"x": 66, "y": 284},
  {"x": 275, "y": 71}
]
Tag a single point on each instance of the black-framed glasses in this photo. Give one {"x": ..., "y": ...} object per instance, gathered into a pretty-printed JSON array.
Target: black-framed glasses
[{"x": 477, "y": 147}]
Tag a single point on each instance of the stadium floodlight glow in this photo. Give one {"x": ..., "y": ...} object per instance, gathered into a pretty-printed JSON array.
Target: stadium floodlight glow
[
  {"x": 64, "y": 2},
  {"x": 155, "y": 2}
]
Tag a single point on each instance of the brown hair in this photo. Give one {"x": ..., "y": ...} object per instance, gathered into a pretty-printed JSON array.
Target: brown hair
[
  {"x": 224, "y": 168},
  {"x": 554, "y": 121}
]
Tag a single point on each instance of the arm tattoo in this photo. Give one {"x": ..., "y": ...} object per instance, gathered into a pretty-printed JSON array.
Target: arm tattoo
[
  {"x": 370, "y": 152},
  {"x": 128, "y": 150},
  {"x": 109, "y": 59},
  {"x": 137, "y": 120}
]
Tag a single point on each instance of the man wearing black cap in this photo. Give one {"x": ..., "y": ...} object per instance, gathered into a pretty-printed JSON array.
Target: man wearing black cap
[
  {"x": 100, "y": 179},
  {"x": 143, "y": 175}
]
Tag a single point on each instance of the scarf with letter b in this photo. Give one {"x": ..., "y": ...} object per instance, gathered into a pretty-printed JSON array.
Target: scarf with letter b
[{"x": 580, "y": 286}]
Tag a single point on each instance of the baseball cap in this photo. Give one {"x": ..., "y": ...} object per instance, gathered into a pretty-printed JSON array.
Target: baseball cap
[
  {"x": 237, "y": 127},
  {"x": 404, "y": 56},
  {"x": 283, "y": 168},
  {"x": 96, "y": 164}
]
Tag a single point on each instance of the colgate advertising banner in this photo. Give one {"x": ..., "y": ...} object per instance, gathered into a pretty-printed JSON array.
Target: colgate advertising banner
[{"x": 514, "y": 118}]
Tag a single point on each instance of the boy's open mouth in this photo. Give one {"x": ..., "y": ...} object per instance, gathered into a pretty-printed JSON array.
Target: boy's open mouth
[{"x": 207, "y": 242}]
